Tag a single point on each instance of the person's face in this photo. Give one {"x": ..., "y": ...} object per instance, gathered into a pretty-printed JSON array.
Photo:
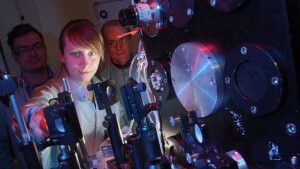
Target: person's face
[
  {"x": 81, "y": 63},
  {"x": 30, "y": 52},
  {"x": 118, "y": 49}
]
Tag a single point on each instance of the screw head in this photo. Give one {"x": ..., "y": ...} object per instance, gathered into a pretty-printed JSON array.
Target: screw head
[
  {"x": 291, "y": 129},
  {"x": 183, "y": 48},
  {"x": 275, "y": 80},
  {"x": 160, "y": 98},
  {"x": 171, "y": 19},
  {"x": 253, "y": 109},
  {"x": 189, "y": 12},
  {"x": 244, "y": 50},
  {"x": 213, "y": 3},
  {"x": 227, "y": 80}
]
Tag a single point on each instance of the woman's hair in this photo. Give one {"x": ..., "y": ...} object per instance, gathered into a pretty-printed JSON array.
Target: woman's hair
[{"x": 83, "y": 33}]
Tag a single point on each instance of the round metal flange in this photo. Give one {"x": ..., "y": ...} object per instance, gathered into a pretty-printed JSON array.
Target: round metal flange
[
  {"x": 197, "y": 78},
  {"x": 253, "y": 79},
  {"x": 158, "y": 73}
]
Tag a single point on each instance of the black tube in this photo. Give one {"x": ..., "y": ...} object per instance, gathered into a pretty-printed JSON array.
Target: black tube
[
  {"x": 113, "y": 129},
  {"x": 134, "y": 145},
  {"x": 150, "y": 142},
  {"x": 30, "y": 154}
]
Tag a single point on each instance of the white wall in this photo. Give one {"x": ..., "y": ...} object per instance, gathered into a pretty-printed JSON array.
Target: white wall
[{"x": 49, "y": 16}]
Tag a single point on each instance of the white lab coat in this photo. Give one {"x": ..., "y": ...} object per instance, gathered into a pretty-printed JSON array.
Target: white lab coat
[{"x": 90, "y": 118}]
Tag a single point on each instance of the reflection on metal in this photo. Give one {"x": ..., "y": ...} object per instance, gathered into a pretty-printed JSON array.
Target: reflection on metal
[
  {"x": 146, "y": 14},
  {"x": 198, "y": 133},
  {"x": 197, "y": 78},
  {"x": 236, "y": 156}
]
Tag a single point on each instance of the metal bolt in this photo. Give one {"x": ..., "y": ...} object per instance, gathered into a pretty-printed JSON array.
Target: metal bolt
[
  {"x": 152, "y": 62},
  {"x": 157, "y": 25},
  {"x": 173, "y": 81},
  {"x": 253, "y": 109},
  {"x": 275, "y": 80},
  {"x": 160, "y": 98},
  {"x": 181, "y": 149},
  {"x": 227, "y": 80},
  {"x": 244, "y": 50},
  {"x": 171, "y": 19},
  {"x": 213, "y": 3},
  {"x": 291, "y": 129},
  {"x": 190, "y": 158},
  {"x": 182, "y": 48},
  {"x": 212, "y": 81},
  {"x": 294, "y": 160},
  {"x": 189, "y": 12}
]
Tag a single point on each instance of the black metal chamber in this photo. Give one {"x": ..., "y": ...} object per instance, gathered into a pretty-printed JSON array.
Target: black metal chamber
[{"x": 269, "y": 24}]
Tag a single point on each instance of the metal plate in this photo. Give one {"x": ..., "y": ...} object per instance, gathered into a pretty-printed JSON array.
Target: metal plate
[
  {"x": 197, "y": 79},
  {"x": 162, "y": 88},
  {"x": 253, "y": 79}
]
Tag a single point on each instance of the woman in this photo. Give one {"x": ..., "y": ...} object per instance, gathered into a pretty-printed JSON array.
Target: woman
[{"x": 80, "y": 51}]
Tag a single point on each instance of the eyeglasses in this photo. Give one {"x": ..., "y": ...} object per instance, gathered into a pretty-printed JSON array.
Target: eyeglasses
[
  {"x": 26, "y": 50},
  {"x": 121, "y": 41}
]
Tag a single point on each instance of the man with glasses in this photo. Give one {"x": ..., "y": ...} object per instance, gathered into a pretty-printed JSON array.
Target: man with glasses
[
  {"x": 118, "y": 58},
  {"x": 117, "y": 48},
  {"x": 29, "y": 51}
]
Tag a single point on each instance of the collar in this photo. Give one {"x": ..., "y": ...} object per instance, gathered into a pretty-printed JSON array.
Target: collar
[{"x": 122, "y": 66}]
